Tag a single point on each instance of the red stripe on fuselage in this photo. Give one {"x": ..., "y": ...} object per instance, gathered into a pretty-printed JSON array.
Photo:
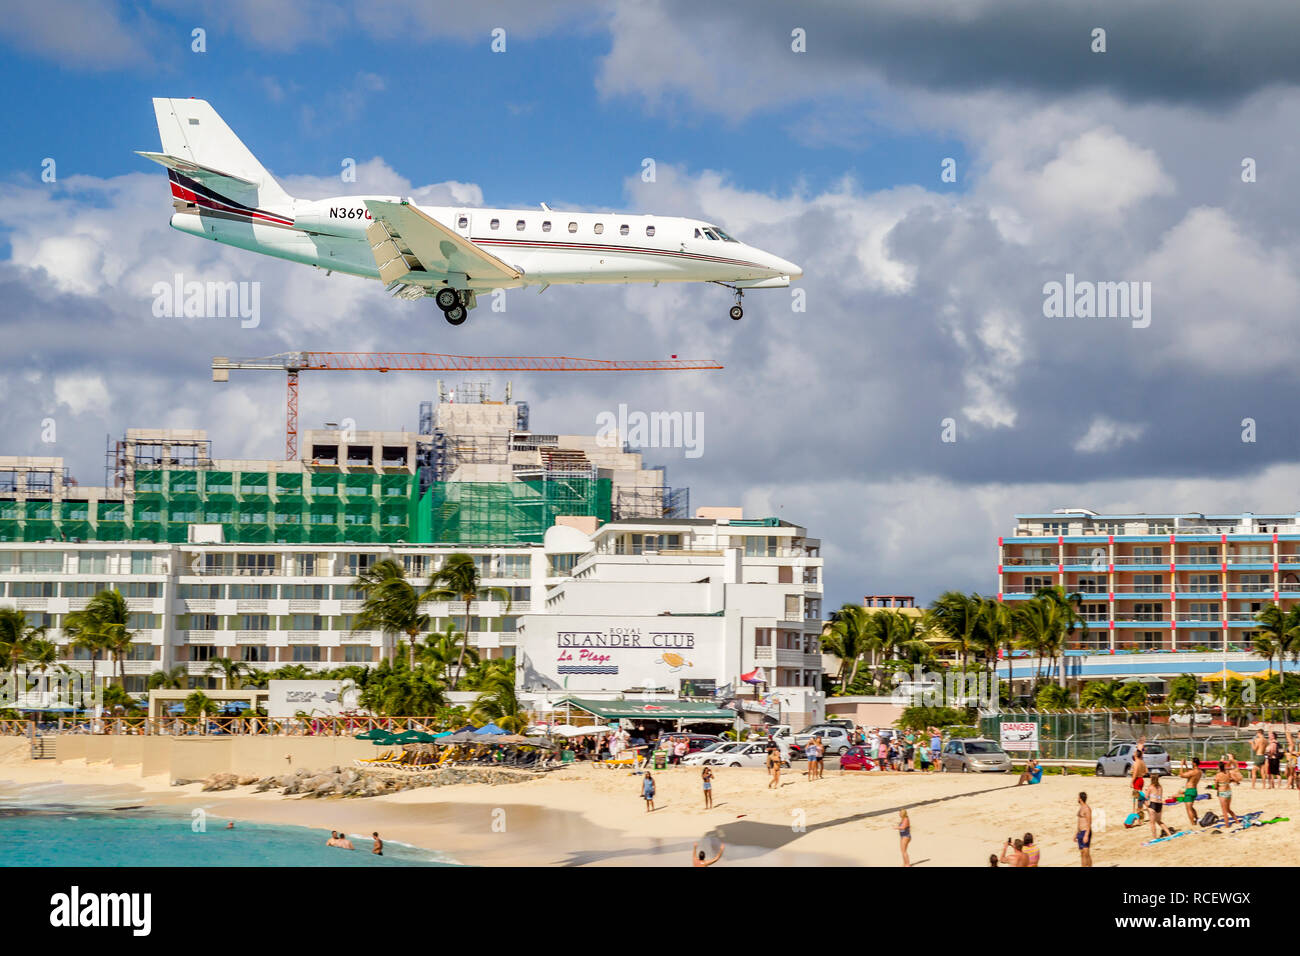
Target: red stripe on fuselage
[{"x": 188, "y": 195}]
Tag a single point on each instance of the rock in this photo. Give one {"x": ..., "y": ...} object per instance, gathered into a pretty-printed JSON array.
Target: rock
[
  {"x": 220, "y": 781},
  {"x": 247, "y": 780},
  {"x": 348, "y": 776},
  {"x": 183, "y": 782}
]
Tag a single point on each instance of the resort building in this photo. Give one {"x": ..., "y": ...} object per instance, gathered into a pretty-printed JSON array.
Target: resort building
[
  {"x": 1155, "y": 585},
  {"x": 680, "y": 608},
  {"x": 254, "y": 560}
]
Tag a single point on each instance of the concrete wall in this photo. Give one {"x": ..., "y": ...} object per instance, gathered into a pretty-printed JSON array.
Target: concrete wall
[{"x": 866, "y": 711}]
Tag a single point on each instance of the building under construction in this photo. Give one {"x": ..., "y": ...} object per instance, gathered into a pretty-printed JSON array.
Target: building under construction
[{"x": 473, "y": 474}]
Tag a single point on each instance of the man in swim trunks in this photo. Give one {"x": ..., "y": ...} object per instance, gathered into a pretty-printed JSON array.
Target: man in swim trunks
[
  {"x": 1016, "y": 848},
  {"x": 1192, "y": 775},
  {"x": 378, "y": 848},
  {"x": 1257, "y": 747},
  {"x": 1083, "y": 831},
  {"x": 1139, "y": 772}
]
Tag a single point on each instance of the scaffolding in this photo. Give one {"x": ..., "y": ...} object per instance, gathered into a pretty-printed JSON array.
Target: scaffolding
[{"x": 507, "y": 513}]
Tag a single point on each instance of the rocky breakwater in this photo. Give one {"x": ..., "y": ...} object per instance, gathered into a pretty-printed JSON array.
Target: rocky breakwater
[{"x": 354, "y": 782}]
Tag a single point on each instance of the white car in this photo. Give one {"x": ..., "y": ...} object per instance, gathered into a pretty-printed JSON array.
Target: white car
[
  {"x": 1118, "y": 761},
  {"x": 753, "y": 754},
  {"x": 1202, "y": 717},
  {"x": 712, "y": 750},
  {"x": 835, "y": 739}
]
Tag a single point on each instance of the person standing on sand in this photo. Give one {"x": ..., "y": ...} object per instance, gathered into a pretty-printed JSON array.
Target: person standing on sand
[
  {"x": 1257, "y": 757},
  {"x": 1223, "y": 781},
  {"x": 1031, "y": 851},
  {"x": 1083, "y": 831},
  {"x": 378, "y": 848},
  {"x": 1018, "y": 857},
  {"x": 707, "y": 776},
  {"x": 774, "y": 765},
  {"x": 1156, "y": 800},
  {"x": 648, "y": 791},
  {"x": 936, "y": 744},
  {"x": 1272, "y": 760},
  {"x": 1191, "y": 775},
  {"x": 697, "y": 855},
  {"x": 904, "y": 835}
]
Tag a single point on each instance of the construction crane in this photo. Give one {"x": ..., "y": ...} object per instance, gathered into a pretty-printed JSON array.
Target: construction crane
[{"x": 291, "y": 363}]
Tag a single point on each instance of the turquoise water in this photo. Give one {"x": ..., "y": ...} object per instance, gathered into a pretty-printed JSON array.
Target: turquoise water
[{"x": 54, "y": 835}]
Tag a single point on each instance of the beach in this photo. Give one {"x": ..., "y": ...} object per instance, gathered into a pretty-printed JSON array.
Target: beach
[{"x": 588, "y": 816}]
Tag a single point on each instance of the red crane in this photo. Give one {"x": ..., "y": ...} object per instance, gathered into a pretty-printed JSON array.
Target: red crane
[{"x": 292, "y": 363}]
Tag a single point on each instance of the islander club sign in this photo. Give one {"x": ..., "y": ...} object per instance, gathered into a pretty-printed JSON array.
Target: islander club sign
[{"x": 593, "y": 652}]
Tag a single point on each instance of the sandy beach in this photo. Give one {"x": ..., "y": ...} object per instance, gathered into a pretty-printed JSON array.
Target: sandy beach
[{"x": 584, "y": 815}]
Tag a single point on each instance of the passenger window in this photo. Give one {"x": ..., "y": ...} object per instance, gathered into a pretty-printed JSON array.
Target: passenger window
[
  {"x": 599, "y": 228},
  {"x": 462, "y": 222},
  {"x": 494, "y": 224},
  {"x": 573, "y": 227},
  {"x": 520, "y": 225},
  {"x": 624, "y": 229},
  {"x": 649, "y": 230},
  {"x": 546, "y": 226}
]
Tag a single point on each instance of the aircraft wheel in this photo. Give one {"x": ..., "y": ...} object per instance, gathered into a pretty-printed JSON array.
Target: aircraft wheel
[
  {"x": 446, "y": 298},
  {"x": 456, "y": 315},
  {"x": 737, "y": 312}
]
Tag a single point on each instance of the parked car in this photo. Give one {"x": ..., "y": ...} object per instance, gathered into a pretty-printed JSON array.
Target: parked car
[
  {"x": 835, "y": 739},
  {"x": 1118, "y": 761},
  {"x": 694, "y": 742},
  {"x": 974, "y": 755},
  {"x": 749, "y": 754},
  {"x": 712, "y": 750},
  {"x": 1202, "y": 717},
  {"x": 856, "y": 758}
]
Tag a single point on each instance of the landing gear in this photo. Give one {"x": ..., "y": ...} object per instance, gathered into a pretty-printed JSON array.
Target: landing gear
[
  {"x": 455, "y": 304},
  {"x": 737, "y": 312},
  {"x": 456, "y": 315},
  {"x": 446, "y": 298}
]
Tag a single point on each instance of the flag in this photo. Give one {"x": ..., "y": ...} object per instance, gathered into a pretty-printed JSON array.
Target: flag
[{"x": 756, "y": 676}]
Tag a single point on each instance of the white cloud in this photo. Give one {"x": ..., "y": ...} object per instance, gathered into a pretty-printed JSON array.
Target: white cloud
[{"x": 1105, "y": 434}]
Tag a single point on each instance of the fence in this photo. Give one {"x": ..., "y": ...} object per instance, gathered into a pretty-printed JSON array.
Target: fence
[{"x": 1087, "y": 735}]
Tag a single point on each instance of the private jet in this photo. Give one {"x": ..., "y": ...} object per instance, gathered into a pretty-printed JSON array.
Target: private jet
[{"x": 450, "y": 254}]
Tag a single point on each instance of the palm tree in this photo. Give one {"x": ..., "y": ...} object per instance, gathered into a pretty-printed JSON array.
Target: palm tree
[
  {"x": 231, "y": 671},
  {"x": 458, "y": 580},
  {"x": 1067, "y": 605},
  {"x": 392, "y": 603},
  {"x": 174, "y": 679},
  {"x": 1000, "y": 626},
  {"x": 847, "y": 636},
  {"x": 1183, "y": 694},
  {"x": 498, "y": 701},
  {"x": 16, "y": 639},
  {"x": 442, "y": 651},
  {"x": 41, "y": 655},
  {"x": 101, "y": 626},
  {"x": 960, "y": 618},
  {"x": 1041, "y": 630},
  {"x": 1106, "y": 694}
]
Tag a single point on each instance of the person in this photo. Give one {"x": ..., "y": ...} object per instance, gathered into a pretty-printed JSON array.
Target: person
[
  {"x": 1223, "y": 781},
  {"x": 1191, "y": 774},
  {"x": 707, "y": 776},
  {"x": 1083, "y": 830},
  {"x": 1016, "y": 848},
  {"x": 1033, "y": 773},
  {"x": 904, "y": 835},
  {"x": 339, "y": 839},
  {"x": 993, "y": 859},
  {"x": 1156, "y": 800},
  {"x": 697, "y": 855},
  {"x": 1257, "y": 757},
  {"x": 774, "y": 765},
  {"x": 815, "y": 752},
  {"x": 679, "y": 750},
  {"x": 936, "y": 744},
  {"x": 378, "y": 848},
  {"x": 1031, "y": 850},
  {"x": 909, "y": 752},
  {"x": 648, "y": 791},
  {"x": 1139, "y": 772},
  {"x": 230, "y": 825},
  {"x": 1272, "y": 760}
]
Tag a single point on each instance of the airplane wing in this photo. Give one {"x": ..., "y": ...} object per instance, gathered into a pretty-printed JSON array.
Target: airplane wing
[
  {"x": 222, "y": 182},
  {"x": 435, "y": 249}
]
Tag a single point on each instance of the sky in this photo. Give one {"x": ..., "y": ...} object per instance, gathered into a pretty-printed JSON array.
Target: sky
[{"x": 903, "y": 404}]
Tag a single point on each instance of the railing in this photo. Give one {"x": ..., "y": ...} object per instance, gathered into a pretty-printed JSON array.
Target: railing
[{"x": 229, "y": 726}]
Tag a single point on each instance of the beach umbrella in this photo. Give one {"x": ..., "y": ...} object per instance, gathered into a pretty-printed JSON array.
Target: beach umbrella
[
  {"x": 460, "y": 737},
  {"x": 1224, "y": 675},
  {"x": 375, "y": 733},
  {"x": 492, "y": 729}
]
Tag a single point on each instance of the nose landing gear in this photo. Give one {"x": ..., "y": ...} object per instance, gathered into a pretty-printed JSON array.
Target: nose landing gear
[{"x": 736, "y": 312}]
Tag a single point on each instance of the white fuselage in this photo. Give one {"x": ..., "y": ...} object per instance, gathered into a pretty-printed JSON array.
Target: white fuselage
[{"x": 546, "y": 246}]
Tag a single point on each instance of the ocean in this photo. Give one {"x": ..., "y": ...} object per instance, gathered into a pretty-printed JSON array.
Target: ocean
[{"x": 71, "y": 835}]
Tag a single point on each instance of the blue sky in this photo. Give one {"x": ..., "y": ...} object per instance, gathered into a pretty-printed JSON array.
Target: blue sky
[{"x": 924, "y": 299}]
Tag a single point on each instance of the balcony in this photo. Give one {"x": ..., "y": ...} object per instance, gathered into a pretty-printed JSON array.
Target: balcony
[
  {"x": 1205, "y": 617},
  {"x": 360, "y": 637},
  {"x": 200, "y": 637},
  {"x": 306, "y": 637},
  {"x": 250, "y": 607},
  {"x": 304, "y": 607},
  {"x": 140, "y": 667},
  {"x": 199, "y": 606},
  {"x": 251, "y": 637}
]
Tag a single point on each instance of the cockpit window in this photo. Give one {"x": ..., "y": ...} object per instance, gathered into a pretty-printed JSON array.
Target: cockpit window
[
  {"x": 697, "y": 234},
  {"x": 710, "y": 233},
  {"x": 720, "y": 234}
]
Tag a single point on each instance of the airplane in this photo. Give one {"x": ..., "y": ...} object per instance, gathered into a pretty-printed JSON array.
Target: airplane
[{"x": 447, "y": 253}]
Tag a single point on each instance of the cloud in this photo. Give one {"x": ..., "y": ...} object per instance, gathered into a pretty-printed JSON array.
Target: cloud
[
  {"x": 92, "y": 34},
  {"x": 1103, "y": 434}
]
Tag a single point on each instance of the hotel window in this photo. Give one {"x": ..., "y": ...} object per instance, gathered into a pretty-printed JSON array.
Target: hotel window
[
  {"x": 95, "y": 562},
  {"x": 649, "y": 230},
  {"x": 306, "y": 652},
  {"x": 1093, "y": 612},
  {"x": 1202, "y": 554},
  {"x": 1254, "y": 554},
  {"x": 1147, "y": 555},
  {"x": 1149, "y": 640},
  {"x": 462, "y": 222},
  {"x": 1034, "y": 582},
  {"x": 1203, "y": 611},
  {"x": 573, "y": 227},
  {"x": 254, "y": 563},
  {"x": 1203, "y": 582},
  {"x": 1160, "y": 527},
  {"x": 763, "y": 637},
  {"x": 139, "y": 589},
  {"x": 562, "y": 564},
  {"x": 357, "y": 654},
  {"x": 1036, "y": 556},
  {"x": 202, "y": 622},
  {"x": 760, "y": 546},
  {"x": 624, "y": 229},
  {"x": 1254, "y": 582},
  {"x": 142, "y": 562},
  {"x": 1107, "y": 527},
  {"x": 254, "y": 652},
  {"x": 305, "y": 564},
  {"x": 514, "y": 566},
  {"x": 140, "y": 652},
  {"x": 1091, "y": 584},
  {"x": 1148, "y": 583},
  {"x": 346, "y": 592},
  {"x": 1148, "y": 612},
  {"x": 1056, "y": 527},
  {"x": 254, "y": 622},
  {"x": 307, "y": 622},
  {"x": 359, "y": 564},
  {"x": 546, "y": 225},
  {"x": 252, "y": 592},
  {"x": 494, "y": 224},
  {"x": 304, "y": 592},
  {"x": 33, "y": 589},
  {"x": 792, "y": 609},
  {"x": 519, "y": 225},
  {"x": 202, "y": 652},
  {"x": 200, "y": 592},
  {"x": 598, "y": 228}
]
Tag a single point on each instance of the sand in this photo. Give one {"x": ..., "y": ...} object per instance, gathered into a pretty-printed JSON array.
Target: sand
[{"x": 583, "y": 815}]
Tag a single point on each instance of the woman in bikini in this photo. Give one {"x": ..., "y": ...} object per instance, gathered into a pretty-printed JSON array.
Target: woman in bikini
[
  {"x": 904, "y": 835},
  {"x": 1223, "y": 781}
]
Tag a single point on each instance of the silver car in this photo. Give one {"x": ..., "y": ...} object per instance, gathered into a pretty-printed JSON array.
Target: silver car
[
  {"x": 977, "y": 755},
  {"x": 1118, "y": 761}
]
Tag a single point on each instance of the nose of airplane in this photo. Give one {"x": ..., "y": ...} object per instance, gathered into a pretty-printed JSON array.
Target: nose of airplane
[{"x": 783, "y": 267}]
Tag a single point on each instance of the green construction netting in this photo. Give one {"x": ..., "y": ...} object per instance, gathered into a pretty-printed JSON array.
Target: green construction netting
[
  {"x": 288, "y": 483},
  {"x": 505, "y": 513},
  {"x": 219, "y": 483},
  {"x": 183, "y": 482}
]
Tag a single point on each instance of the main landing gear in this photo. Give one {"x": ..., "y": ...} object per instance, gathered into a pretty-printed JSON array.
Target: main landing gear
[{"x": 452, "y": 304}]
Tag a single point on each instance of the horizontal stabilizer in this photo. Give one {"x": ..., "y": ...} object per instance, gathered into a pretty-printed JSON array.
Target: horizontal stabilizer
[{"x": 204, "y": 174}]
